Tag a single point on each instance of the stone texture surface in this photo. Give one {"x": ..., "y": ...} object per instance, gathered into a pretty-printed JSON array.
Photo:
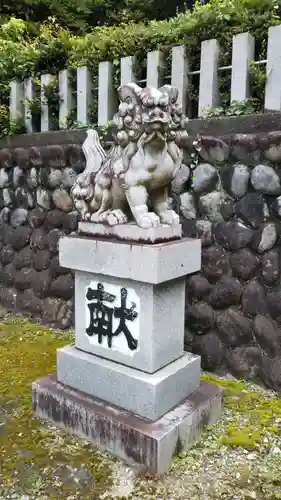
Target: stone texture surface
[
  {"x": 231, "y": 200},
  {"x": 131, "y": 438},
  {"x": 149, "y": 395}
]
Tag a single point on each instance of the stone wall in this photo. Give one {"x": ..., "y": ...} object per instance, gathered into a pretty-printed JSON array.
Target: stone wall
[
  {"x": 228, "y": 194},
  {"x": 231, "y": 199},
  {"x": 36, "y": 210}
]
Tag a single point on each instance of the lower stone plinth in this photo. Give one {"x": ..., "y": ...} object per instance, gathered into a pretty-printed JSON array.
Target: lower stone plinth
[{"x": 131, "y": 438}]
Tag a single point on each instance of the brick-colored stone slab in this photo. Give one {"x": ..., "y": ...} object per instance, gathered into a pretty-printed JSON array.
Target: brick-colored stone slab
[
  {"x": 131, "y": 232},
  {"x": 131, "y": 438}
]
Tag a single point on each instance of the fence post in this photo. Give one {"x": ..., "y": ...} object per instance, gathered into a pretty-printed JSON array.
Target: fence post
[
  {"x": 154, "y": 62},
  {"x": 180, "y": 74},
  {"x": 29, "y": 94},
  {"x": 127, "y": 70},
  {"x": 106, "y": 94},
  {"x": 273, "y": 70},
  {"x": 84, "y": 95},
  {"x": 243, "y": 53},
  {"x": 208, "y": 87},
  {"x": 16, "y": 100},
  {"x": 66, "y": 98},
  {"x": 46, "y": 118}
]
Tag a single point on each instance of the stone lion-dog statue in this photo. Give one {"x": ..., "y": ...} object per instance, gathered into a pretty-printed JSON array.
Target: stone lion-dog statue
[{"x": 131, "y": 182}]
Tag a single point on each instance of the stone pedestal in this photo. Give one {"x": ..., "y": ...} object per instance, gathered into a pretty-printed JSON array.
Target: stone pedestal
[{"x": 128, "y": 368}]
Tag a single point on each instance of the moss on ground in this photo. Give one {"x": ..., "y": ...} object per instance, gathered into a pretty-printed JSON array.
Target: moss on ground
[
  {"x": 35, "y": 457},
  {"x": 239, "y": 457},
  {"x": 261, "y": 413}
]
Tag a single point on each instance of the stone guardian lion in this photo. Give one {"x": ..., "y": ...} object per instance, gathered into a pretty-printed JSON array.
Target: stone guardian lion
[{"x": 131, "y": 182}]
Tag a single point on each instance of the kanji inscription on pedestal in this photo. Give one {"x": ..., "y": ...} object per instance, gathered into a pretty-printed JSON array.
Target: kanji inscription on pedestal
[{"x": 112, "y": 317}]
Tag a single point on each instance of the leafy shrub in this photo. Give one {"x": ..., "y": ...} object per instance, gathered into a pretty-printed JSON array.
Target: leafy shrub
[{"x": 54, "y": 48}]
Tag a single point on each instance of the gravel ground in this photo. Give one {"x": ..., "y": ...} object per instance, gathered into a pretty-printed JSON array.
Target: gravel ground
[{"x": 238, "y": 458}]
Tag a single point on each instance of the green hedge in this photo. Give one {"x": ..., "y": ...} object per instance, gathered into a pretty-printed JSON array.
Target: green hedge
[{"x": 56, "y": 48}]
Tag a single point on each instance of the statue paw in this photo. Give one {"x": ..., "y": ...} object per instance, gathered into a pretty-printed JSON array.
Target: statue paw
[
  {"x": 170, "y": 217},
  {"x": 149, "y": 220},
  {"x": 116, "y": 217},
  {"x": 100, "y": 216}
]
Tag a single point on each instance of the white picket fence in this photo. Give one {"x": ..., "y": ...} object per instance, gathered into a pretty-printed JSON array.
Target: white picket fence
[{"x": 243, "y": 55}]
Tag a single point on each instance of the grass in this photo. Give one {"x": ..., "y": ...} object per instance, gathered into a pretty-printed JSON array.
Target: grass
[{"x": 238, "y": 458}]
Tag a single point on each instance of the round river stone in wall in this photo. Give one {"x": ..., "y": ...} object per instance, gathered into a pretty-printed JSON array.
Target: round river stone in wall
[
  {"x": 210, "y": 205},
  {"x": 62, "y": 200},
  {"x": 265, "y": 180},
  {"x": 7, "y": 255},
  {"x": 7, "y": 275},
  {"x": 68, "y": 177},
  {"x": 19, "y": 217},
  {"x": 267, "y": 335},
  {"x": 54, "y": 178},
  {"x": 37, "y": 239},
  {"x": 244, "y": 263},
  {"x": 54, "y": 219},
  {"x": 187, "y": 206},
  {"x": 52, "y": 240},
  {"x": 7, "y": 197},
  {"x": 254, "y": 299},
  {"x": 270, "y": 372},
  {"x": 225, "y": 293},
  {"x": 70, "y": 221},
  {"x": 274, "y": 303},
  {"x": 204, "y": 228},
  {"x": 36, "y": 217},
  {"x": 180, "y": 180},
  {"x": 41, "y": 283},
  {"x": 23, "y": 258},
  {"x": 244, "y": 362},
  {"x": 205, "y": 177},
  {"x": 23, "y": 278},
  {"x": 251, "y": 209},
  {"x": 234, "y": 329},
  {"x": 239, "y": 181},
  {"x": 214, "y": 263},
  {"x": 271, "y": 266},
  {"x": 41, "y": 260},
  {"x": 265, "y": 238},
  {"x": 200, "y": 318},
  {"x": 28, "y": 301},
  {"x": 20, "y": 237},
  {"x": 233, "y": 235},
  {"x": 63, "y": 287},
  {"x": 210, "y": 349},
  {"x": 32, "y": 178},
  {"x": 18, "y": 177},
  {"x": 197, "y": 288},
  {"x": 43, "y": 198},
  {"x": 4, "y": 178}
]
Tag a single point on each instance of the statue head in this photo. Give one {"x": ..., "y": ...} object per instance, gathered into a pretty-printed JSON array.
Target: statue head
[{"x": 150, "y": 113}]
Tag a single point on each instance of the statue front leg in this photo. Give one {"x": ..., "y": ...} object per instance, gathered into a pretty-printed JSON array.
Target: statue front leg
[
  {"x": 137, "y": 199},
  {"x": 160, "y": 202}
]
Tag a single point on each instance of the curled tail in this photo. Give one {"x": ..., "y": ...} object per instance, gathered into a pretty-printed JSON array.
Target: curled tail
[
  {"x": 93, "y": 151},
  {"x": 83, "y": 188}
]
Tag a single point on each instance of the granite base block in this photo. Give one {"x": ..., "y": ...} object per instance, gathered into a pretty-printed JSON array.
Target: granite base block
[
  {"x": 147, "y": 263},
  {"x": 131, "y": 232},
  {"x": 133, "y": 439},
  {"x": 147, "y": 395},
  {"x": 159, "y": 334}
]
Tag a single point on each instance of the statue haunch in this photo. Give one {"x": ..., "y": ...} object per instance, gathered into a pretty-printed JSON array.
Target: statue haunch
[{"x": 136, "y": 173}]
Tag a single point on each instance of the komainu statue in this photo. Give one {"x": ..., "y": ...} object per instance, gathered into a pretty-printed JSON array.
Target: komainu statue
[{"x": 131, "y": 182}]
